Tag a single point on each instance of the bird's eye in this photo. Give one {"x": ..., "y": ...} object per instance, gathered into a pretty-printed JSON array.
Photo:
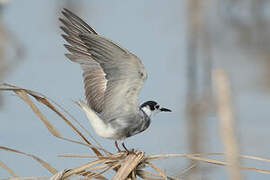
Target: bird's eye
[{"x": 157, "y": 106}]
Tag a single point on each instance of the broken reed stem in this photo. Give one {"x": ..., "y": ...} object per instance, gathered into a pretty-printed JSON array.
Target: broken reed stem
[
  {"x": 227, "y": 122},
  {"x": 131, "y": 162},
  {"x": 81, "y": 169}
]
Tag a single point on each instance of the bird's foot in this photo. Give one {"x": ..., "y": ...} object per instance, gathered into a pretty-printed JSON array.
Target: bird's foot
[{"x": 132, "y": 151}]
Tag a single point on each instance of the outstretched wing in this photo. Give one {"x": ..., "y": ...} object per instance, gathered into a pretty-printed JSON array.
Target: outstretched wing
[
  {"x": 98, "y": 56},
  {"x": 94, "y": 76}
]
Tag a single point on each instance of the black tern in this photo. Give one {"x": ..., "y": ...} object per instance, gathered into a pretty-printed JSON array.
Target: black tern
[{"x": 113, "y": 78}]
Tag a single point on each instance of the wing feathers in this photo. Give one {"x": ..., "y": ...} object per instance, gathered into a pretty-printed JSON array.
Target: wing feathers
[
  {"x": 76, "y": 21},
  {"x": 94, "y": 83},
  {"x": 113, "y": 77},
  {"x": 94, "y": 76},
  {"x": 75, "y": 41}
]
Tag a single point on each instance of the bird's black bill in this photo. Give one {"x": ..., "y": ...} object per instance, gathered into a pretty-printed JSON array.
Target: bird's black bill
[{"x": 165, "y": 110}]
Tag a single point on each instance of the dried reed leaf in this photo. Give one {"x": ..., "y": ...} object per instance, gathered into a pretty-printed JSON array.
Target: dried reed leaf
[
  {"x": 146, "y": 173},
  {"x": 117, "y": 156},
  {"x": 152, "y": 176},
  {"x": 81, "y": 126},
  {"x": 187, "y": 169},
  {"x": 10, "y": 171},
  {"x": 23, "y": 93},
  {"x": 91, "y": 175},
  {"x": 107, "y": 169},
  {"x": 59, "y": 175},
  {"x": 157, "y": 169},
  {"x": 103, "y": 166},
  {"x": 195, "y": 157},
  {"x": 48, "y": 104},
  {"x": 165, "y": 156},
  {"x": 40, "y": 161},
  {"x": 100, "y": 177},
  {"x": 161, "y": 173},
  {"x": 255, "y": 158},
  {"x": 131, "y": 162},
  {"x": 149, "y": 178},
  {"x": 76, "y": 156},
  {"x": 82, "y": 168},
  {"x": 226, "y": 164}
]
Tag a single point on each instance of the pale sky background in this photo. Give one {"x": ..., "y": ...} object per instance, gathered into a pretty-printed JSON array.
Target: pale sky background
[{"x": 155, "y": 31}]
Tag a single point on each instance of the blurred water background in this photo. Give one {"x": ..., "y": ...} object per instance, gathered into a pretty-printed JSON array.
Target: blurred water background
[{"x": 178, "y": 41}]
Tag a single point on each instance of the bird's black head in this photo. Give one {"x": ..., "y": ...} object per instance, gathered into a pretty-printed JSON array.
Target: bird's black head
[
  {"x": 151, "y": 104},
  {"x": 152, "y": 107}
]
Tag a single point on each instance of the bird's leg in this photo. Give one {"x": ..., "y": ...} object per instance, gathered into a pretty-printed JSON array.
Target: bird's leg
[
  {"x": 123, "y": 144},
  {"x": 117, "y": 147},
  {"x": 128, "y": 151}
]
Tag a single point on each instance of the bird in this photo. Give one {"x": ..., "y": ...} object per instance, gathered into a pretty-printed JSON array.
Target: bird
[{"x": 113, "y": 78}]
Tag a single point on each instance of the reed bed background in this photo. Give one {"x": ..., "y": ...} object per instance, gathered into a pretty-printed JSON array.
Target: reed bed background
[{"x": 223, "y": 54}]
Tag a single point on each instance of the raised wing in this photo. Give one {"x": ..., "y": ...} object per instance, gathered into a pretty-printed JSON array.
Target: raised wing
[
  {"x": 124, "y": 72},
  {"x": 94, "y": 76}
]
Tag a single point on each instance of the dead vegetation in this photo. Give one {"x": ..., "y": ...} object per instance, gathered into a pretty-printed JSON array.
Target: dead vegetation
[{"x": 128, "y": 166}]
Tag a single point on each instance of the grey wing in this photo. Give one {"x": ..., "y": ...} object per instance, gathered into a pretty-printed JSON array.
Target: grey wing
[
  {"x": 125, "y": 75},
  {"x": 94, "y": 76},
  {"x": 113, "y": 77}
]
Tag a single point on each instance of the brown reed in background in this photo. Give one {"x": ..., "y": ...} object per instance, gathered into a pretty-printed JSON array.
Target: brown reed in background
[
  {"x": 199, "y": 91},
  {"x": 227, "y": 123},
  {"x": 8, "y": 41}
]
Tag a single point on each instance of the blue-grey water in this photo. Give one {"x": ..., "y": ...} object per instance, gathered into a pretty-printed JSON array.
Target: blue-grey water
[{"x": 155, "y": 31}]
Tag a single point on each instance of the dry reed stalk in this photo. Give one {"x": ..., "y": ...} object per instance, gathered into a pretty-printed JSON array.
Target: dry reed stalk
[
  {"x": 227, "y": 122},
  {"x": 10, "y": 171},
  {"x": 40, "y": 161},
  {"x": 186, "y": 170},
  {"x": 199, "y": 157},
  {"x": 131, "y": 162},
  {"x": 165, "y": 156},
  {"x": 23, "y": 93},
  {"x": 82, "y": 168}
]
